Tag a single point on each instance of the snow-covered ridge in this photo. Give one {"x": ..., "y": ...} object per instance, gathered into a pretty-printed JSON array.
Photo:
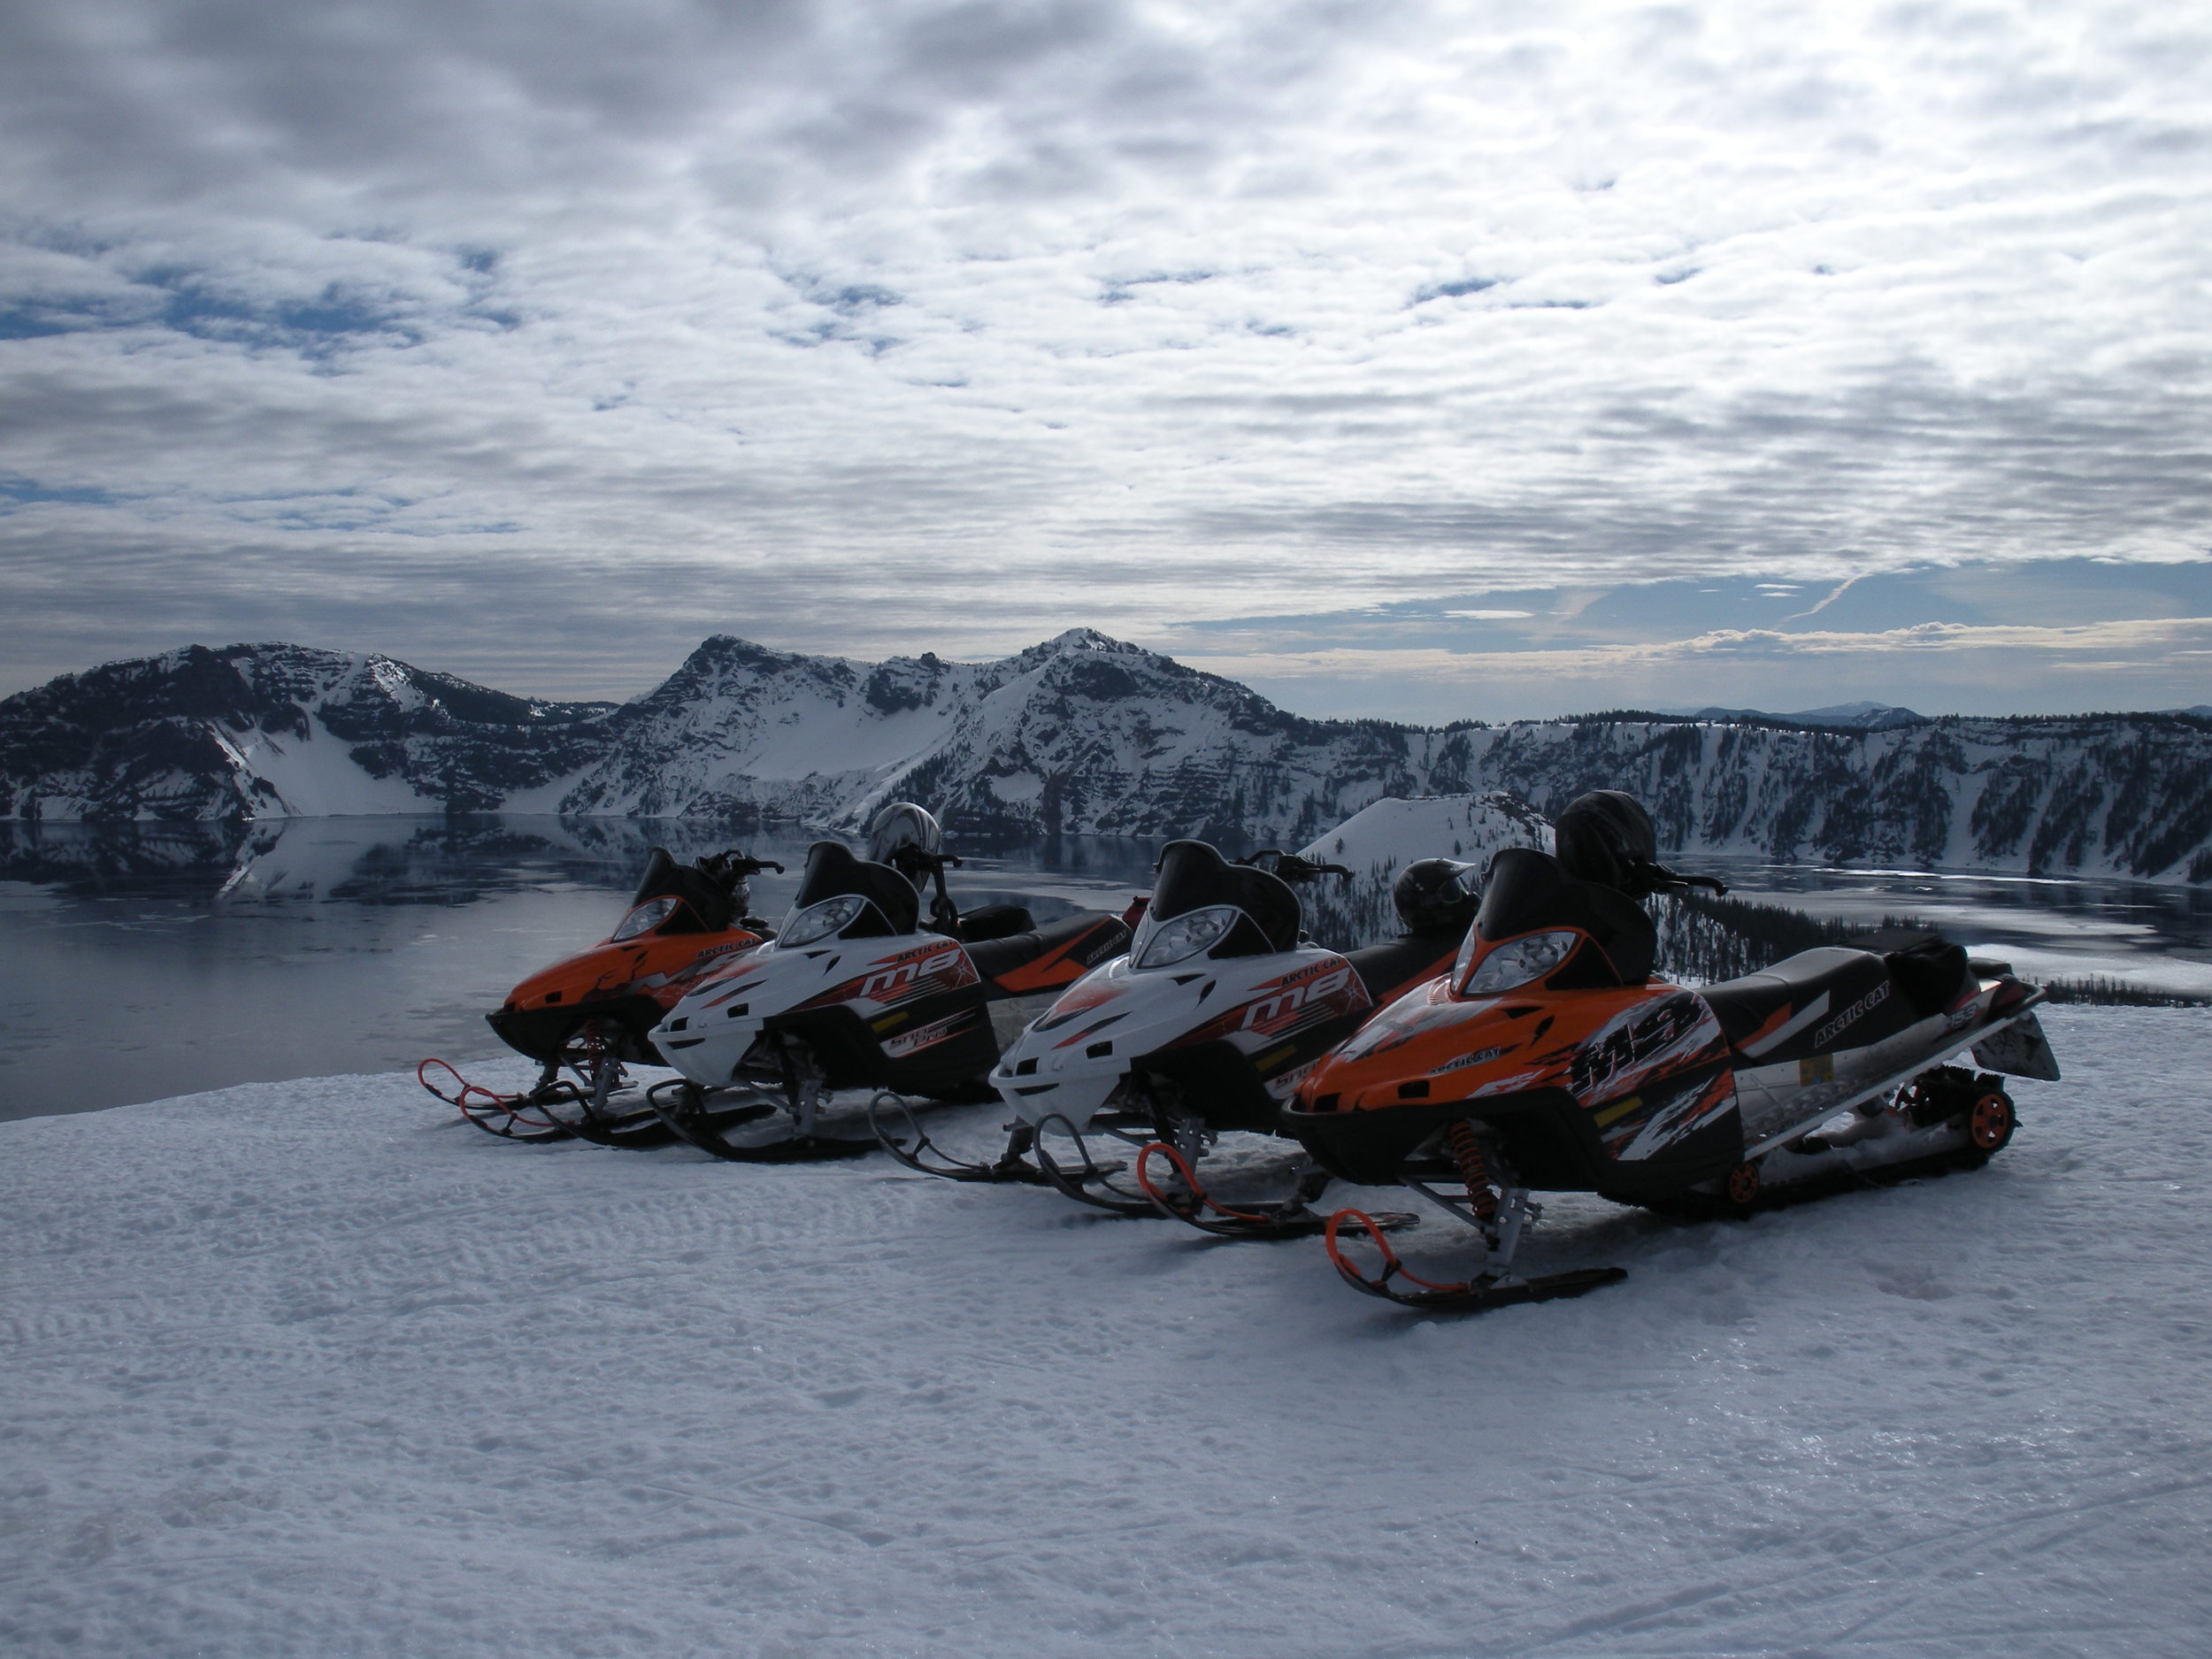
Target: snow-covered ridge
[
  {"x": 1378, "y": 842},
  {"x": 1082, "y": 734}
]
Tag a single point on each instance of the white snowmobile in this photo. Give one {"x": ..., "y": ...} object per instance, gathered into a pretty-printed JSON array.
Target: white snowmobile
[
  {"x": 854, "y": 992},
  {"x": 1204, "y": 1027}
]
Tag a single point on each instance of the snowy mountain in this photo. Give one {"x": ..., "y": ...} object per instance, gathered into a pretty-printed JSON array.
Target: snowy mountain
[
  {"x": 1082, "y": 734},
  {"x": 276, "y": 731}
]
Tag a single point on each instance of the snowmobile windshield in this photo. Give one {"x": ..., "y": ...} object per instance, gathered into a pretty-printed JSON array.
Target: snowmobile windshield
[
  {"x": 1534, "y": 920},
  {"x": 645, "y": 917},
  {"x": 844, "y": 897},
  {"x": 1204, "y": 905},
  {"x": 705, "y": 904}
]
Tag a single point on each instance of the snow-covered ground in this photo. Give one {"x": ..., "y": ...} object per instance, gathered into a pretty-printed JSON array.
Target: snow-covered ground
[{"x": 307, "y": 1368}]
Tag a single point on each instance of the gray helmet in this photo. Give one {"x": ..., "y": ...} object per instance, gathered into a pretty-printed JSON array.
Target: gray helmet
[
  {"x": 1436, "y": 897},
  {"x": 900, "y": 826}
]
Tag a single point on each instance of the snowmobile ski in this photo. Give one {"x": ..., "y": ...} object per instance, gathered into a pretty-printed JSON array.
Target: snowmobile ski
[
  {"x": 502, "y": 1115},
  {"x": 918, "y": 1152},
  {"x": 605, "y": 1118},
  {"x": 686, "y": 1109},
  {"x": 1261, "y": 1218},
  {"x": 1090, "y": 1181},
  {"x": 1475, "y": 1295}
]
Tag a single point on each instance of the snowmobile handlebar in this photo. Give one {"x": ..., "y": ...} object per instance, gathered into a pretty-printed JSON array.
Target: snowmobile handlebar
[
  {"x": 1662, "y": 880},
  {"x": 743, "y": 864},
  {"x": 1290, "y": 867},
  {"x": 912, "y": 861}
]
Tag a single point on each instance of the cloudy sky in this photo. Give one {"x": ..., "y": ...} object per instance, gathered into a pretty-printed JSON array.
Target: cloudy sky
[{"x": 1422, "y": 359}]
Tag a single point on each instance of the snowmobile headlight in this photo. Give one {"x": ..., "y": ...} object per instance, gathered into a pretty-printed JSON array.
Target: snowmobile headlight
[
  {"x": 819, "y": 921},
  {"x": 644, "y": 920},
  {"x": 1186, "y": 935},
  {"x": 1518, "y": 961}
]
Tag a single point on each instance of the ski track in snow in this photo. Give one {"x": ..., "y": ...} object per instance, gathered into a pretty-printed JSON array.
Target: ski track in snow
[{"x": 310, "y": 1368}]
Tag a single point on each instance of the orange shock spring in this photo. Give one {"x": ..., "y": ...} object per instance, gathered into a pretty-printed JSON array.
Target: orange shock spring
[{"x": 1474, "y": 1169}]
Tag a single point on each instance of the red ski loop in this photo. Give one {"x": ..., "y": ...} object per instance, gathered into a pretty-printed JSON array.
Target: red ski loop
[
  {"x": 1202, "y": 1201},
  {"x": 478, "y": 1103},
  {"x": 1392, "y": 1268}
]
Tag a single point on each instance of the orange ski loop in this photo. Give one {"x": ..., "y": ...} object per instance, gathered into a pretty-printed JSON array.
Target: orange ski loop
[
  {"x": 1190, "y": 1180},
  {"x": 1392, "y": 1268},
  {"x": 474, "y": 1098}
]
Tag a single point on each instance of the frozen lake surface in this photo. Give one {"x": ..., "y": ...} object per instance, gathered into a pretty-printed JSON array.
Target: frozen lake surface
[
  {"x": 143, "y": 962},
  {"x": 315, "y": 1369}
]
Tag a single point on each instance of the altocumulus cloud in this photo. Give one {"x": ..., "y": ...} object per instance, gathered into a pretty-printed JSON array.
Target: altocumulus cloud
[{"x": 534, "y": 343}]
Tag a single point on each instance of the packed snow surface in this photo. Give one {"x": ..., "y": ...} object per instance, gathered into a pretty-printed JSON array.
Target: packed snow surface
[{"x": 310, "y": 1369}]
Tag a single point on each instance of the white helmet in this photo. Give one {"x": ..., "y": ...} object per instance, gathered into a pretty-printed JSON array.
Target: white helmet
[{"x": 899, "y": 826}]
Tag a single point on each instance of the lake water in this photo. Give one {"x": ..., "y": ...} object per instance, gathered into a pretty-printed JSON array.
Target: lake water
[{"x": 144, "y": 960}]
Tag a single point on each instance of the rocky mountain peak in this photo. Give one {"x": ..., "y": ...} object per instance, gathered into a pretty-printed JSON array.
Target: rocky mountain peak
[{"x": 1080, "y": 734}]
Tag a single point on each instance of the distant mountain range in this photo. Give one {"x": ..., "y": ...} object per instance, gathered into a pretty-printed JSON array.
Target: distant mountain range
[
  {"x": 1847, "y": 717},
  {"x": 1082, "y": 734}
]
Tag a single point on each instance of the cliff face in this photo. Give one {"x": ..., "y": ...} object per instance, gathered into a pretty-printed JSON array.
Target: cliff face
[
  {"x": 2127, "y": 795},
  {"x": 1082, "y": 734}
]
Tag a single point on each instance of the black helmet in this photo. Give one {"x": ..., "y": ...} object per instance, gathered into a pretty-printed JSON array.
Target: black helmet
[
  {"x": 1607, "y": 837},
  {"x": 1436, "y": 897}
]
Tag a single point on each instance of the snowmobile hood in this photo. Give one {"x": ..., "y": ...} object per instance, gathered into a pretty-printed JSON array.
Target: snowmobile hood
[
  {"x": 1070, "y": 1059},
  {"x": 709, "y": 1033},
  {"x": 1435, "y": 1044},
  {"x": 645, "y": 965}
]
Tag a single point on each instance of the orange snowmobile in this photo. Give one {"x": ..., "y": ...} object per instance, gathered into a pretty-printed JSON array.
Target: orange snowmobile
[
  {"x": 591, "y": 1014},
  {"x": 1550, "y": 1059}
]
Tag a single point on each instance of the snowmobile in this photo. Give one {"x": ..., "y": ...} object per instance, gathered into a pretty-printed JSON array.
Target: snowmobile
[
  {"x": 854, "y": 992},
  {"x": 1551, "y": 1060},
  {"x": 1205, "y": 1028},
  {"x": 591, "y": 1014}
]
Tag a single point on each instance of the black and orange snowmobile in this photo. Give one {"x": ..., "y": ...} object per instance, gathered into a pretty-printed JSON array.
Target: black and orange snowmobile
[
  {"x": 1551, "y": 1059},
  {"x": 588, "y": 1016}
]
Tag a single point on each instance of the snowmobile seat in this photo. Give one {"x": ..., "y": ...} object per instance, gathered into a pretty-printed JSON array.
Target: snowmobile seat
[
  {"x": 1056, "y": 953},
  {"x": 994, "y": 921},
  {"x": 1396, "y": 966},
  {"x": 1931, "y": 973},
  {"x": 1803, "y": 1004},
  {"x": 1630, "y": 937}
]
